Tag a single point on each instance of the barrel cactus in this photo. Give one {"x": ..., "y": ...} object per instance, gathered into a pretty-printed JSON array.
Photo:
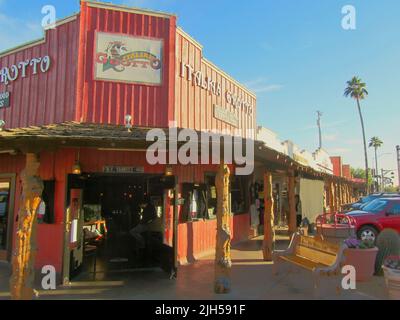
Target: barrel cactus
[{"x": 388, "y": 243}]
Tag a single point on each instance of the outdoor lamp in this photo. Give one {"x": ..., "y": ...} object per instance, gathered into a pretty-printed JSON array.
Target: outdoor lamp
[
  {"x": 76, "y": 169},
  {"x": 2, "y": 125},
  {"x": 169, "y": 171},
  {"x": 128, "y": 121}
]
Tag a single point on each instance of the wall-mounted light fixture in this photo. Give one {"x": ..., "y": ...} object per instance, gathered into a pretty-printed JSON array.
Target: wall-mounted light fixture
[
  {"x": 169, "y": 171},
  {"x": 128, "y": 121},
  {"x": 76, "y": 168}
]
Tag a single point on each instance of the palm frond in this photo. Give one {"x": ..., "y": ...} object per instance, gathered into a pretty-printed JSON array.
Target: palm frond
[{"x": 356, "y": 89}]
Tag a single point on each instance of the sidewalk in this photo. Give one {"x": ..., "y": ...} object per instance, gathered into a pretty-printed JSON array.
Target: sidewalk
[{"x": 251, "y": 279}]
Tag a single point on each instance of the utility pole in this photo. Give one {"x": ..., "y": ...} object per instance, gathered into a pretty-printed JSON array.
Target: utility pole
[
  {"x": 319, "y": 115},
  {"x": 384, "y": 178},
  {"x": 398, "y": 162}
]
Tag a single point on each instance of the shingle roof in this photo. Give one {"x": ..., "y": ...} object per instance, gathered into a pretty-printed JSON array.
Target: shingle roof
[{"x": 77, "y": 130}]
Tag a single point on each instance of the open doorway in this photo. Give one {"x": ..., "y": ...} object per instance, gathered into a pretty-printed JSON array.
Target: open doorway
[
  {"x": 7, "y": 187},
  {"x": 125, "y": 223}
]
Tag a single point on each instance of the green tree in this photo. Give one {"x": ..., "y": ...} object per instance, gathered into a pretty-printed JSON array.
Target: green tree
[
  {"x": 391, "y": 189},
  {"x": 359, "y": 173},
  {"x": 356, "y": 89},
  {"x": 376, "y": 143}
]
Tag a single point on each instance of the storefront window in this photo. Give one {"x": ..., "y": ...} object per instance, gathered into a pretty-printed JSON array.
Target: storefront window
[
  {"x": 46, "y": 208},
  {"x": 239, "y": 195},
  {"x": 211, "y": 194},
  {"x": 195, "y": 204},
  {"x": 4, "y": 210}
]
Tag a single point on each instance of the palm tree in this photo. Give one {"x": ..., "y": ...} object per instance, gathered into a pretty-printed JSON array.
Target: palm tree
[
  {"x": 376, "y": 143},
  {"x": 356, "y": 89}
]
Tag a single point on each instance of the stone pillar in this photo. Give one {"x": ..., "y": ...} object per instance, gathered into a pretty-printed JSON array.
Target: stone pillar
[
  {"x": 292, "y": 204},
  {"x": 223, "y": 263},
  {"x": 23, "y": 258},
  {"x": 269, "y": 223}
]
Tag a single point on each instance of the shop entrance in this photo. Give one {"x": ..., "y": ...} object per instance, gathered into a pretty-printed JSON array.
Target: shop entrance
[
  {"x": 119, "y": 223},
  {"x": 7, "y": 187}
]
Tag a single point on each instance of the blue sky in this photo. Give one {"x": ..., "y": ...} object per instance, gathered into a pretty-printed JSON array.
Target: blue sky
[{"x": 293, "y": 53}]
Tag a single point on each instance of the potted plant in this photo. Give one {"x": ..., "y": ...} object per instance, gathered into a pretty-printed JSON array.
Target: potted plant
[
  {"x": 391, "y": 269},
  {"x": 361, "y": 255}
]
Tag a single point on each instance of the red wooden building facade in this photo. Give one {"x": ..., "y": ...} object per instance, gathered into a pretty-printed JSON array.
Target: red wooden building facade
[{"x": 58, "y": 79}]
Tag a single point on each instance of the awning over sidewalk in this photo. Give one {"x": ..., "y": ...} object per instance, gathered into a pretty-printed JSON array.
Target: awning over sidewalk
[
  {"x": 73, "y": 134},
  {"x": 35, "y": 139}
]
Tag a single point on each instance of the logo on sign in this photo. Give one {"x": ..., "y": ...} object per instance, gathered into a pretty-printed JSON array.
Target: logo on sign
[{"x": 128, "y": 59}]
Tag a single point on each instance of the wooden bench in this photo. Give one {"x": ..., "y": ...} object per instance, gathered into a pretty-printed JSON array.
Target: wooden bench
[{"x": 320, "y": 257}]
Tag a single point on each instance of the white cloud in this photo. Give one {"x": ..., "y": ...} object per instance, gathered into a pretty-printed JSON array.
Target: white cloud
[
  {"x": 14, "y": 32},
  {"x": 330, "y": 137},
  {"x": 338, "y": 151},
  {"x": 328, "y": 125},
  {"x": 260, "y": 85},
  {"x": 354, "y": 142}
]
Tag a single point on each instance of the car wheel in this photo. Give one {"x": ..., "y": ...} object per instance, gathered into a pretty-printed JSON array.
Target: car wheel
[{"x": 368, "y": 233}]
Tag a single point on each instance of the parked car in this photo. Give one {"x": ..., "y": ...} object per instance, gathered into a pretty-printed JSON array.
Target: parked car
[
  {"x": 379, "y": 214},
  {"x": 365, "y": 200}
]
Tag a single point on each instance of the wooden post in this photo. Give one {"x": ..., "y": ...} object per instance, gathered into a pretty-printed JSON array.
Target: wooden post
[
  {"x": 269, "y": 232},
  {"x": 348, "y": 200},
  {"x": 223, "y": 263},
  {"x": 332, "y": 200},
  {"x": 292, "y": 204},
  {"x": 23, "y": 259},
  {"x": 337, "y": 197},
  {"x": 341, "y": 198}
]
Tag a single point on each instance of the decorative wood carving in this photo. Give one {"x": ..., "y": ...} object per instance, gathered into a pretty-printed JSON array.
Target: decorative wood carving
[
  {"x": 223, "y": 263},
  {"x": 23, "y": 259},
  {"x": 269, "y": 231}
]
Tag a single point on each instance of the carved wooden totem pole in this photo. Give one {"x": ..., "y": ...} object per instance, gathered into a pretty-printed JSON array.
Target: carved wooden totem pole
[
  {"x": 223, "y": 263},
  {"x": 23, "y": 259},
  {"x": 269, "y": 231}
]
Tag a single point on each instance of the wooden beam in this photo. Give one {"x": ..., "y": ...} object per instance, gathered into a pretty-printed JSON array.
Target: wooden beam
[
  {"x": 292, "y": 204},
  {"x": 23, "y": 259},
  {"x": 269, "y": 223},
  {"x": 223, "y": 263}
]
